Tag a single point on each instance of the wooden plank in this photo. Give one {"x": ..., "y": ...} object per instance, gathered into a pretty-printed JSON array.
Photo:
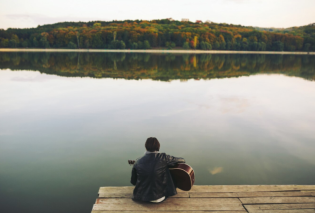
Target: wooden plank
[
  {"x": 178, "y": 207},
  {"x": 95, "y": 211},
  {"x": 213, "y": 194},
  {"x": 251, "y": 188},
  {"x": 223, "y": 188},
  {"x": 171, "y": 200},
  {"x": 171, "y": 204},
  {"x": 129, "y": 195},
  {"x": 258, "y": 200},
  {"x": 276, "y": 194},
  {"x": 253, "y": 194},
  {"x": 284, "y": 211},
  {"x": 118, "y": 189},
  {"x": 280, "y": 206},
  {"x": 124, "y": 189},
  {"x": 116, "y": 195}
]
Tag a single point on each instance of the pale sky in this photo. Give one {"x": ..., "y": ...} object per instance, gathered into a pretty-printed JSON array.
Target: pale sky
[{"x": 262, "y": 13}]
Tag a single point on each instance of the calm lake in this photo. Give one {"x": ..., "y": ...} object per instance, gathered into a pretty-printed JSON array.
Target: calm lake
[{"x": 70, "y": 121}]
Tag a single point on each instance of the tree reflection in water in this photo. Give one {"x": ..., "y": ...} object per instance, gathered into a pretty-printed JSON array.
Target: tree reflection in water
[{"x": 163, "y": 67}]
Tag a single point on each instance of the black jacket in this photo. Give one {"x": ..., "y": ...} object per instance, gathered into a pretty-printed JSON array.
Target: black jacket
[{"x": 152, "y": 178}]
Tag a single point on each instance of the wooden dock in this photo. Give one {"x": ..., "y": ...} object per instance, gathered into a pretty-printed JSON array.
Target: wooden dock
[{"x": 215, "y": 199}]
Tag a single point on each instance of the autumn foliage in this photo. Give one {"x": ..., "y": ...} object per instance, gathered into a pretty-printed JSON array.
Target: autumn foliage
[{"x": 140, "y": 34}]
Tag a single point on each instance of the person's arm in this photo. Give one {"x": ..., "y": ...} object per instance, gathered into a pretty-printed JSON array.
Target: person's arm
[
  {"x": 172, "y": 161},
  {"x": 133, "y": 176}
]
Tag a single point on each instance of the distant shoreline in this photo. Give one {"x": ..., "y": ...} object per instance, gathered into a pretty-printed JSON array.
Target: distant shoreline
[{"x": 155, "y": 51}]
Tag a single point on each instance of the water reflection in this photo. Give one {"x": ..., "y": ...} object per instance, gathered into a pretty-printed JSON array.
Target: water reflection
[
  {"x": 216, "y": 170},
  {"x": 62, "y": 138},
  {"x": 162, "y": 67}
]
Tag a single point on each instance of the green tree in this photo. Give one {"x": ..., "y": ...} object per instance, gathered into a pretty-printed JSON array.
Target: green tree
[
  {"x": 216, "y": 45},
  {"x": 14, "y": 41},
  {"x": 208, "y": 46},
  {"x": 186, "y": 45},
  {"x": 43, "y": 42},
  {"x": 71, "y": 45},
  {"x": 78, "y": 40},
  {"x": 307, "y": 47},
  {"x": 236, "y": 46},
  {"x": 4, "y": 42},
  {"x": 122, "y": 45},
  {"x": 203, "y": 45},
  {"x": 263, "y": 46},
  {"x": 117, "y": 44},
  {"x": 277, "y": 46},
  {"x": 96, "y": 41},
  {"x": 25, "y": 43},
  {"x": 87, "y": 43},
  {"x": 244, "y": 44},
  {"x": 223, "y": 46},
  {"x": 113, "y": 44},
  {"x": 146, "y": 44},
  {"x": 140, "y": 45},
  {"x": 97, "y": 25},
  {"x": 170, "y": 45},
  {"x": 114, "y": 35},
  {"x": 35, "y": 42},
  {"x": 254, "y": 45},
  {"x": 228, "y": 45},
  {"x": 134, "y": 45}
]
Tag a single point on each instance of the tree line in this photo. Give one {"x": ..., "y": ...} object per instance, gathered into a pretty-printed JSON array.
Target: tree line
[
  {"x": 162, "y": 67},
  {"x": 138, "y": 34}
]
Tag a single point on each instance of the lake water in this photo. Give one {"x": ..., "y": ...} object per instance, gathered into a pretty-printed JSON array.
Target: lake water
[{"x": 70, "y": 122}]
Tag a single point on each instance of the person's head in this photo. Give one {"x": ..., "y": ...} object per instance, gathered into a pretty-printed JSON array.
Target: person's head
[{"x": 152, "y": 144}]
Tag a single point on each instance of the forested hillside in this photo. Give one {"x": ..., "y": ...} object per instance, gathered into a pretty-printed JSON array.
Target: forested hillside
[{"x": 159, "y": 34}]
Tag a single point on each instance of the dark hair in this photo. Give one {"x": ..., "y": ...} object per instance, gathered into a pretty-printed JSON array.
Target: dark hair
[{"x": 152, "y": 144}]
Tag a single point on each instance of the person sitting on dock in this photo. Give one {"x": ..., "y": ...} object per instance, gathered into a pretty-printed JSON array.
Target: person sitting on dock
[{"x": 151, "y": 176}]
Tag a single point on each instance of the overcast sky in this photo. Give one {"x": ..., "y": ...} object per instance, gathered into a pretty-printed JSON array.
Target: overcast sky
[{"x": 262, "y": 13}]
